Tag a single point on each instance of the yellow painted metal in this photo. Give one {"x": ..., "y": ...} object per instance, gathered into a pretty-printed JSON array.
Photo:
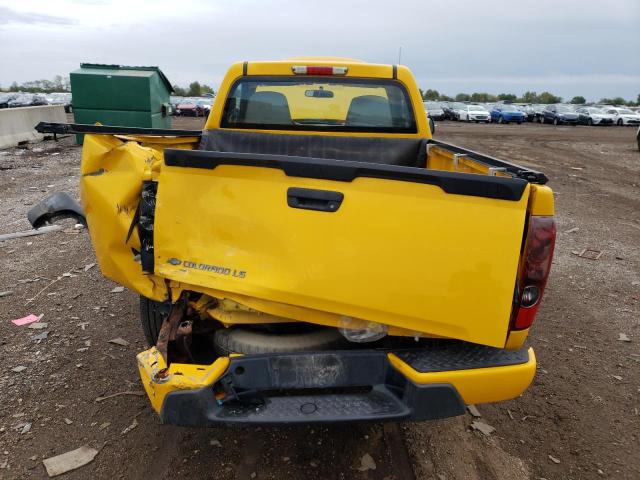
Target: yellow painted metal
[
  {"x": 541, "y": 201},
  {"x": 479, "y": 385},
  {"x": 440, "y": 158},
  {"x": 228, "y": 317},
  {"x": 179, "y": 376},
  {"x": 368, "y": 274},
  {"x": 516, "y": 339},
  {"x": 356, "y": 68},
  {"x": 112, "y": 172},
  {"x": 431, "y": 262}
]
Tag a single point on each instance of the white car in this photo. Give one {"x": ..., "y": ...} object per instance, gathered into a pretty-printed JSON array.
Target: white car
[
  {"x": 474, "y": 113},
  {"x": 594, "y": 116},
  {"x": 624, "y": 116}
]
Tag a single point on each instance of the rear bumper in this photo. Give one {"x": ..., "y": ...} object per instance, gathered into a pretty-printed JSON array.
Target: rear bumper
[{"x": 340, "y": 386}]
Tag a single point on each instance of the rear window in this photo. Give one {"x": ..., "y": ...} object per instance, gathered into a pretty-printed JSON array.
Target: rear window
[{"x": 319, "y": 103}]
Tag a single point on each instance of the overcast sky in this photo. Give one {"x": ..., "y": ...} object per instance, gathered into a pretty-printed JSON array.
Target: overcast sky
[{"x": 569, "y": 47}]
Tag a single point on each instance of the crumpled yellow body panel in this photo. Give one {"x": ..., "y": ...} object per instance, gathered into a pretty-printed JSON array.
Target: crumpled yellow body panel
[{"x": 113, "y": 170}]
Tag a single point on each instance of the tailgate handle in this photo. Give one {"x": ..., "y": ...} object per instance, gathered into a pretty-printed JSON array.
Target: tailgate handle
[{"x": 309, "y": 199}]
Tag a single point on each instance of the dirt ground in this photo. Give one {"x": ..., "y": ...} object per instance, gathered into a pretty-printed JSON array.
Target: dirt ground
[{"x": 579, "y": 420}]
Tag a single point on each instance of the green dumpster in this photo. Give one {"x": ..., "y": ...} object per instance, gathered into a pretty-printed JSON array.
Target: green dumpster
[{"x": 120, "y": 96}]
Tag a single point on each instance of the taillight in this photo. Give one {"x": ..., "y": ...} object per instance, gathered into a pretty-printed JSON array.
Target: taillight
[
  {"x": 318, "y": 70},
  {"x": 538, "y": 254}
]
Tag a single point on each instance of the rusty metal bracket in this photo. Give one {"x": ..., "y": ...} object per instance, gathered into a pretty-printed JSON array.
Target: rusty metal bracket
[{"x": 170, "y": 327}]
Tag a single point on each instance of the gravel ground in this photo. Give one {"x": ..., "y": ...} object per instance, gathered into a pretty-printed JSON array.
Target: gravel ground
[{"x": 579, "y": 420}]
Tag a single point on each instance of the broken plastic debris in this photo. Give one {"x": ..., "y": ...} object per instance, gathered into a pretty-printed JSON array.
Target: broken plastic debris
[
  {"x": 69, "y": 461},
  {"x": 623, "y": 337},
  {"x": 133, "y": 425},
  {"x": 482, "y": 427},
  {"x": 589, "y": 253},
  {"x": 38, "y": 325},
  {"x": 6, "y": 293},
  {"x": 473, "y": 410},
  {"x": 119, "y": 341},
  {"x": 19, "y": 368},
  {"x": 26, "y": 320},
  {"x": 40, "y": 336},
  {"x": 89, "y": 266},
  {"x": 117, "y": 290}
]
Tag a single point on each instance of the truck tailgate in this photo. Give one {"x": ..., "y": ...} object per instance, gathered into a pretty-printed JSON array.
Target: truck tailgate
[{"x": 429, "y": 251}]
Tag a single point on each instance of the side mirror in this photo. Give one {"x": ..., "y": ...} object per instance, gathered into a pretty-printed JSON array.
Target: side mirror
[{"x": 432, "y": 126}]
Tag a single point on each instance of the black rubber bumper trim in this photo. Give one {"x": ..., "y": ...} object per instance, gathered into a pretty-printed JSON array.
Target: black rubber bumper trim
[
  {"x": 318, "y": 387},
  {"x": 501, "y": 188},
  {"x": 451, "y": 355}
]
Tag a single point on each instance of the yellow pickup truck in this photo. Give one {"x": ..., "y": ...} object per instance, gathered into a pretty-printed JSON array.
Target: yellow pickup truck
[{"x": 314, "y": 255}]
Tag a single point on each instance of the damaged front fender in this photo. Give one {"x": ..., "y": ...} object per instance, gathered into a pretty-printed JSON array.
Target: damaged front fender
[
  {"x": 113, "y": 172},
  {"x": 55, "y": 207}
]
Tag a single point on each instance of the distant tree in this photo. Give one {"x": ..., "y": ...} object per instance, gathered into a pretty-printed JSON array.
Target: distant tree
[
  {"x": 463, "y": 97},
  {"x": 445, "y": 98},
  {"x": 507, "y": 96},
  {"x": 179, "y": 91},
  {"x": 578, "y": 100},
  {"x": 613, "y": 101},
  {"x": 431, "y": 95},
  {"x": 546, "y": 97},
  {"x": 482, "y": 97},
  {"x": 529, "y": 97},
  {"x": 206, "y": 89},
  {"x": 195, "y": 89},
  {"x": 14, "y": 87}
]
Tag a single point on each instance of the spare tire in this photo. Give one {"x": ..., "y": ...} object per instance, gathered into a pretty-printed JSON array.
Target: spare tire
[{"x": 242, "y": 340}]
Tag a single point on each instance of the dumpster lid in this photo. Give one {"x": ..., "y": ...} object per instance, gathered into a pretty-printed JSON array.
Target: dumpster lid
[{"x": 105, "y": 66}]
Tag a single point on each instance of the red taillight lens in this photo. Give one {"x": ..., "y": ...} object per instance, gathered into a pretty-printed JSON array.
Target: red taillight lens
[
  {"x": 538, "y": 254},
  {"x": 318, "y": 70}
]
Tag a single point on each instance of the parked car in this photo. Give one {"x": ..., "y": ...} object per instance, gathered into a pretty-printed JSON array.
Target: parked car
[
  {"x": 456, "y": 108},
  {"x": 594, "y": 116},
  {"x": 624, "y": 116},
  {"x": 559, "y": 114},
  {"x": 529, "y": 112},
  {"x": 187, "y": 109},
  {"x": 447, "y": 107},
  {"x": 434, "y": 110},
  {"x": 259, "y": 340},
  {"x": 524, "y": 110},
  {"x": 60, "y": 98},
  {"x": 27, "y": 100},
  {"x": 5, "y": 98},
  {"x": 204, "y": 106},
  {"x": 506, "y": 113},
  {"x": 474, "y": 113}
]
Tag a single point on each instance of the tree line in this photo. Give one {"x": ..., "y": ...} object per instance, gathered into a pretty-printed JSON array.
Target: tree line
[
  {"x": 527, "y": 97},
  {"x": 197, "y": 89},
  {"x": 63, "y": 84},
  {"x": 58, "y": 84}
]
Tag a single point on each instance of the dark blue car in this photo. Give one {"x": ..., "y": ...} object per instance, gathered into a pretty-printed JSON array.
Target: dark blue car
[
  {"x": 559, "y": 114},
  {"x": 505, "y": 113}
]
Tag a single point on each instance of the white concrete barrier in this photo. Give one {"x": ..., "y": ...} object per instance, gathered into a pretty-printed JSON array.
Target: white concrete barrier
[{"x": 16, "y": 124}]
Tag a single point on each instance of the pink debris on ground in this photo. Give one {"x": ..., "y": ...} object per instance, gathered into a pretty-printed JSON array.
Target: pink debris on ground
[{"x": 26, "y": 320}]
